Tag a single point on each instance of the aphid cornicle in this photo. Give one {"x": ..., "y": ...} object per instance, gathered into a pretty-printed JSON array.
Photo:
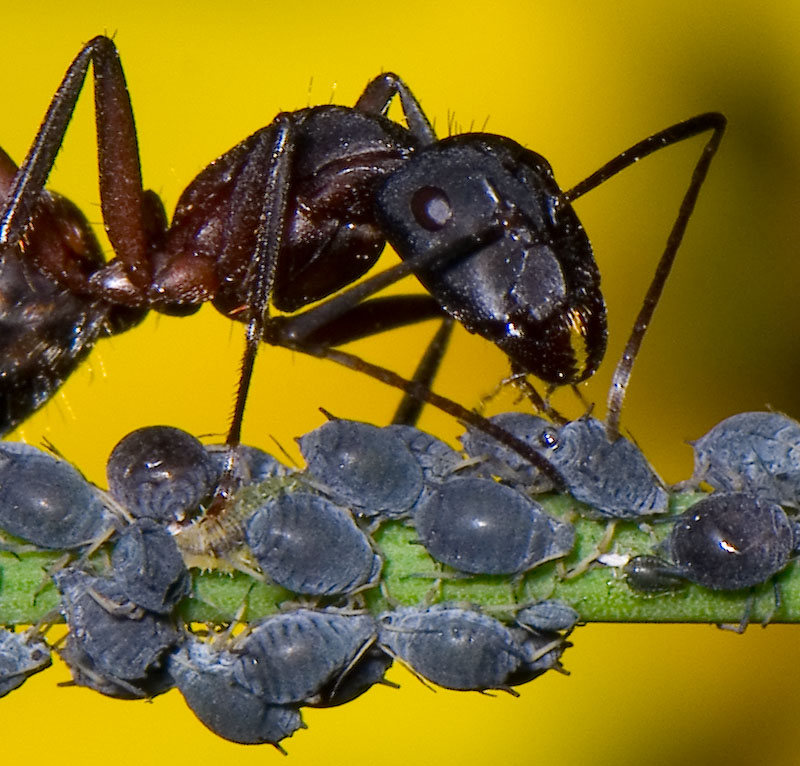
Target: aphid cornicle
[{"x": 301, "y": 209}]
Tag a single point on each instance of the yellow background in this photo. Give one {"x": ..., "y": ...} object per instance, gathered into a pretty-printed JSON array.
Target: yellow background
[{"x": 578, "y": 82}]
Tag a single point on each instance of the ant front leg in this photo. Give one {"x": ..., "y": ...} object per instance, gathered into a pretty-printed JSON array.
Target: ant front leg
[{"x": 271, "y": 156}]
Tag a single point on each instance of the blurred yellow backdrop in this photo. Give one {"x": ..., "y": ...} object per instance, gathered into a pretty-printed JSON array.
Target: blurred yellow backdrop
[{"x": 577, "y": 81}]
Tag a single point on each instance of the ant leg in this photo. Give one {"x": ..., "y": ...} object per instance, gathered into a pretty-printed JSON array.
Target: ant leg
[
  {"x": 442, "y": 403},
  {"x": 410, "y": 408},
  {"x": 712, "y": 121},
  {"x": 378, "y": 95},
  {"x": 272, "y": 162},
  {"x": 375, "y": 316},
  {"x": 307, "y": 328},
  {"x": 276, "y": 155},
  {"x": 133, "y": 218}
]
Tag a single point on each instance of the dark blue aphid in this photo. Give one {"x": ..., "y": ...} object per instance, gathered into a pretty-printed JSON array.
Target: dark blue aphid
[
  {"x": 148, "y": 567},
  {"x": 308, "y": 545},
  {"x": 549, "y": 616},
  {"x": 161, "y": 473},
  {"x": 21, "y": 656},
  {"x": 757, "y": 452},
  {"x": 45, "y": 501},
  {"x": 290, "y": 658},
  {"x": 730, "y": 541},
  {"x": 123, "y": 642},
  {"x": 205, "y": 677},
  {"x": 366, "y": 468},
  {"x": 652, "y": 574},
  {"x": 482, "y": 527},
  {"x": 465, "y": 650},
  {"x": 507, "y": 464},
  {"x": 614, "y": 478}
]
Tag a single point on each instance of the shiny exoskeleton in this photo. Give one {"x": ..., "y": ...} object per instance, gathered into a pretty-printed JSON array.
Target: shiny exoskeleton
[{"x": 294, "y": 213}]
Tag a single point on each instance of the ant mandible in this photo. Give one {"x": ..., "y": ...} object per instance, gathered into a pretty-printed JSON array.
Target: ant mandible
[{"x": 296, "y": 212}]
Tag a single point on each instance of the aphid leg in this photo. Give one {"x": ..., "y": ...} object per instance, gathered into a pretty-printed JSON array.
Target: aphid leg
[
  {"x": 776, "y": 604},
  {"x": 711, "y": 121},
  {"x": 226, "y": 637},
  {"x": 126, "y": 609},
  {"x": 407, "y": 666},
  {"x": 540, "y": 404},
  {"x": 350, "y": 665},
  {"x": 603, "y": 545}
]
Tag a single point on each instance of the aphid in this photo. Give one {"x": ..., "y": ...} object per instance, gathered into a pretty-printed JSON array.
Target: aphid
[
  {"x": 206, "y": 679},
  {"x": 366, "y": 468},
  {"x": 21, "y": 656},
  {"x": 308, "y": 545},
  {"x": 299, "y": 210},
  {"x": 756, "y": 452},
  {"x": 148, "y": 567},
  {"x": 161, "y": 473},
  {"x": 479, "y": 526},
  {"x": 45, "y": 501},
  {"x": 125, "y": 644},
  {"x": 290, "y": 658},
  {"x": 505, "y": 463},
  {"x": 652, "y": 574},
  {"x": 730, "y": 541},
  {"x": 549, "y": 616},
  {"x": 613, "y": 477},
  {"x": 463, "y": 649}
]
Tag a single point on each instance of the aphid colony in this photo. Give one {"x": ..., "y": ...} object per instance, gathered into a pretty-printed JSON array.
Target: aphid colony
[{"x": 336, "y": 624}]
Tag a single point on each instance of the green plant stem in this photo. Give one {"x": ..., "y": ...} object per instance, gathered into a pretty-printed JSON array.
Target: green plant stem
[{"x": 411, "y": 577}]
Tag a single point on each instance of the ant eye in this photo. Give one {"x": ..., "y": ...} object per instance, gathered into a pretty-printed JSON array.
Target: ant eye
[{"x": 431, "y": 208}]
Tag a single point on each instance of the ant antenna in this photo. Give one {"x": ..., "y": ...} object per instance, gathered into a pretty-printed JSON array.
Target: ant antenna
[{"x": 710, "y": 121}]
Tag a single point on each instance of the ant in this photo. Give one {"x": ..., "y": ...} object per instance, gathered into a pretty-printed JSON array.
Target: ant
[{"x": 295, "y": 213}]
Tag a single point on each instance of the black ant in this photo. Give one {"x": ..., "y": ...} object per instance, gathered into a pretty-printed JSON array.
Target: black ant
[{"x": 296, "y": 212}]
